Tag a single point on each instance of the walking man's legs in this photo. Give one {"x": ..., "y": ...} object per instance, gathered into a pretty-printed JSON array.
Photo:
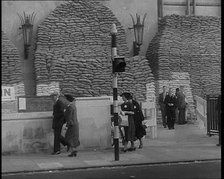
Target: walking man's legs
[
  {"x": 177, "y": 115},
  {"x": 57, "y": 135},
  {"x": 169, "y": 118},
  {"x": 163, "y": 112},
  {"x": 173, "y": 118},
  {"x": 182, "y": 116}
]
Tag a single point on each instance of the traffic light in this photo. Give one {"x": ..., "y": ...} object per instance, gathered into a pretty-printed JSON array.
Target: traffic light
[{"x": 119, "y": 64}]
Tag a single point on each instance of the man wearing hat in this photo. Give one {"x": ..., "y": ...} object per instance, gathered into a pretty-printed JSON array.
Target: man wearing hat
[{"x": 58, "y": 121}]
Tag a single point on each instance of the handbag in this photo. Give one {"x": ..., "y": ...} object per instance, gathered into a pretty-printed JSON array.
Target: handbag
[
  {"x": 123, "y": 120},
  {"x": 63, "y": 130}
]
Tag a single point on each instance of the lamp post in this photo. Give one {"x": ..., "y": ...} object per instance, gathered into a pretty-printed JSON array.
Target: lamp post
[
  {"x": 138, "y": 32},
  {"x": 27, "y": 28}
]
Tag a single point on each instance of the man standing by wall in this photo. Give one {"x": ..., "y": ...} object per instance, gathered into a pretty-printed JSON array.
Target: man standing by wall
[
  {"x": 176, "y": 108},
  {"x": 58, "y": 121},
  {"x": 181, "y": 104},
  {"x": 163, "y": 106},
  {"x": 170, "y": 102}
]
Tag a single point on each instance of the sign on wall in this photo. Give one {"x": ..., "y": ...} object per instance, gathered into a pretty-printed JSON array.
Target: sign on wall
[
  {"x": 35, "y": 103},
  {"x": 8, "y": 93}
]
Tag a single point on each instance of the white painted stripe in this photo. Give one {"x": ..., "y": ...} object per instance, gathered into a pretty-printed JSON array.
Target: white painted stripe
[
  {"x": 116, "y": 132},
  {"x": 114, "y": 52},
  {"x": 115, "y": 103},
  {"x": 115, "y": 81}
]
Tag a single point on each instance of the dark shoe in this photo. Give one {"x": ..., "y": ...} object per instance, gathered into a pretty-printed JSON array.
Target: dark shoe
[
  {"x": 68, "y": 147},
  {"x": 140, "y": 146},
  {"x": 56, "y": 153},
  {"x": 73, "y": 154},
  {"x": 132, "y": 149},
  {"x": 124, "y": 150}
]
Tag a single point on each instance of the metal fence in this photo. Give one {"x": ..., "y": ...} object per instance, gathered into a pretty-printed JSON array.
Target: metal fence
[{"x": 212, "y": 115}]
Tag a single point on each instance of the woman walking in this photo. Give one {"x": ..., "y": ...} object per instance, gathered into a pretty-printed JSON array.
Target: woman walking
[
  {"x": 72, "y": 133},
  {"x": 138, "y": 118},
  {"x": 127, "y": 108}
]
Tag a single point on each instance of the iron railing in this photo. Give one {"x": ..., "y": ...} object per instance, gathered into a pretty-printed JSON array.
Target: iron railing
[{"x": 212, "y": 115}]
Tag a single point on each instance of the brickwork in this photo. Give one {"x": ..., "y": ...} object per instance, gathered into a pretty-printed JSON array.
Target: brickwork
[{"x": 74, "y": 51}]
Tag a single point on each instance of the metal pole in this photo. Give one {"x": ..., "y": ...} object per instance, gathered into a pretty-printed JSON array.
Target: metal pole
[
  {"x": 188, "y": 11},
  {"x": 194, "y": 7},
  {"x": 115, "y": 102},
  {"x": 160, "y": 8}
]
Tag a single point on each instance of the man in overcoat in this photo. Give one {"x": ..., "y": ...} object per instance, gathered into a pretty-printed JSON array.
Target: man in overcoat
[
  {"x": 163, "y": 106},
  {"x": 58, "y": 121},
  {"x": 170, "y": 102},
  {"x": 181, "y": 104}
]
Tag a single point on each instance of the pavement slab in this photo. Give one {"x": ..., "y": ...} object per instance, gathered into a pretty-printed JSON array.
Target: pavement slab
[{"x": 185, "y": 143}]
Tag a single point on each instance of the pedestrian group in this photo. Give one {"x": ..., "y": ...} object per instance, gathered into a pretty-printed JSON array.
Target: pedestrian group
[
  {"x": 134, "y": 130},
  {"x": 173, "y": 107},
  {"x": 65, "y": 114}
]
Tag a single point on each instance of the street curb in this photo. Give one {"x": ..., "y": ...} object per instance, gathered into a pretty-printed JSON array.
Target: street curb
[{"x": 110, "y": 166}]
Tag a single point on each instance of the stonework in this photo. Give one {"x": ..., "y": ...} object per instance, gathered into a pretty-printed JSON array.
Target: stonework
[
  {"x": 74, "y": 51},
  {"x": 11, "y": 73},
  {"x": 188, "y": 44}
]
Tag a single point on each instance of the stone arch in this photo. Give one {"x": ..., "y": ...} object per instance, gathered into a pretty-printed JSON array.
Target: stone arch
[{"x": 74, "y": 52}]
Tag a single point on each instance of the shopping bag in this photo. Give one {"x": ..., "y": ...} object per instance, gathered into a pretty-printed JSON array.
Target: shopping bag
[
  {"x": 123, "y": 120},
  {"x": 63, "y": 130},
  {"x": 145, "y": 124}
]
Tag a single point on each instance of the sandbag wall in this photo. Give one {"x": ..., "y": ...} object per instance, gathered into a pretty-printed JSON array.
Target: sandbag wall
[
  {"x": 11, "y": 74},
  {"x": 74, "y": 53},
  {"x": 188, "y": 44}
]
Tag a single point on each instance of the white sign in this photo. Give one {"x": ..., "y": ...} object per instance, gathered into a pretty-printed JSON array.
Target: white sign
[
  {"x": 8, "y": 93},
  {"x": 22, "y": 103}
]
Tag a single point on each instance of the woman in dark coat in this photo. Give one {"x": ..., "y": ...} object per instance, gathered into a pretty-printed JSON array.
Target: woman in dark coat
[
  {"x": 127, "y": 108},
  {"x": 138, "y": 118},
  {"x": 72, "y": 133}
]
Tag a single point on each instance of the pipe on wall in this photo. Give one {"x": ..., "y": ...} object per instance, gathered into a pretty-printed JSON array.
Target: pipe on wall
[{"x": 196, "y": 4}]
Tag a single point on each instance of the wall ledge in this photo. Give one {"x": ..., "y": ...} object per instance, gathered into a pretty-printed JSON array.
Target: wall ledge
[{"x": 27, "y": 116}]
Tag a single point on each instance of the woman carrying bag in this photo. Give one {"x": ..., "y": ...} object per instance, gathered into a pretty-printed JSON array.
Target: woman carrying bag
[
  {"x": 72, "y": 133},
  {"x": 127, "y": 108}
]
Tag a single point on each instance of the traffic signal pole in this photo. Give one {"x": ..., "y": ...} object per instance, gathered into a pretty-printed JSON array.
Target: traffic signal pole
[{"x": 115, "y": 101}]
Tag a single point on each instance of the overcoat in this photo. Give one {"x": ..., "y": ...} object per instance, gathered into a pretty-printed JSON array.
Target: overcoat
[
  {"x": 58, "y": 114},
  {"x": 127, "y": 106},
  {"x": 72, "y": 133},
  {"x": 138, "y": 118}
]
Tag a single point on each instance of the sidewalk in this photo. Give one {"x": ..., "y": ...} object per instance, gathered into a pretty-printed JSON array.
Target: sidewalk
[{"x": 185, "y": 143}]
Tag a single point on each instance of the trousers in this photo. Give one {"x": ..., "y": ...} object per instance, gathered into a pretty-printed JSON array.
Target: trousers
[
  {"x": 58, "y": 138},
  {"x": 182, "y": 116}
]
